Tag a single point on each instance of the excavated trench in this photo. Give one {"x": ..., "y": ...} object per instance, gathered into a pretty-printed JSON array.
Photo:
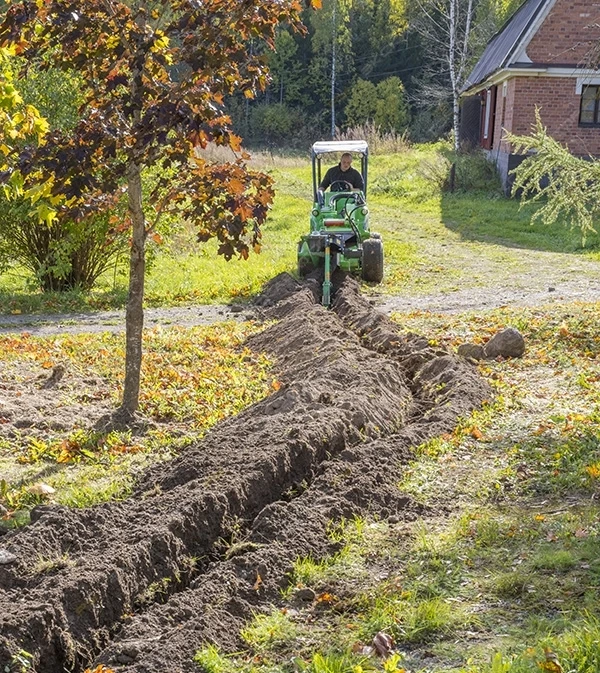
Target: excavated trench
[{"x": 139, "y": 586}]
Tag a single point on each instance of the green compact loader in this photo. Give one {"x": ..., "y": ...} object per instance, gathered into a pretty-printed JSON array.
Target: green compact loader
[{"x": 339, "y": 224}]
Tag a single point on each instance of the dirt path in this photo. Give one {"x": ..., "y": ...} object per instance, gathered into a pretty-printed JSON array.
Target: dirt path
[
  {"x": 114, "y": 321},
  {"x": 535, "y": 288},
  {"x": 485, "y": 298},
  {"x": 211, "y": 537}
]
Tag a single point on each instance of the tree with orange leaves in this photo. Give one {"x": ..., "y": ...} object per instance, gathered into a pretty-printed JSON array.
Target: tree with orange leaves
[{"x": 154, "y": 77}]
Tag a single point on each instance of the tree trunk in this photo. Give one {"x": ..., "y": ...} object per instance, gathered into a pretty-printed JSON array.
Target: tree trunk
[
  {"x": 456, "y": 119},
  {"x": 453, "y": 25},
  {"x": 134, "y": 317}
]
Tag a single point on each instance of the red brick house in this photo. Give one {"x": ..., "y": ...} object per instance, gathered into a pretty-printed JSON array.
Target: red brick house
[{"x": 547, "y": 55}]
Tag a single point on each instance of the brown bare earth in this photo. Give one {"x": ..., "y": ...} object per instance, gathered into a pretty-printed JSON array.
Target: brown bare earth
[{"x": 210, "y": 537}]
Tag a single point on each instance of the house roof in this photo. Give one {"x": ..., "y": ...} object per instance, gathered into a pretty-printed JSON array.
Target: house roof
[{"x": 505, "y": 43}]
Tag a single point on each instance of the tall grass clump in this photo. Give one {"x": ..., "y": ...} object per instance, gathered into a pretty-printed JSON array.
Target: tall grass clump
[
  {"x": 576, "y": 650},
  {"x": 462, "y": 172},
  {"x": 380, "y": 142}
]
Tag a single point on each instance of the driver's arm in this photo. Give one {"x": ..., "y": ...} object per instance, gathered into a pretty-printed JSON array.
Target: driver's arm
[{"x": 326, "y": 181}]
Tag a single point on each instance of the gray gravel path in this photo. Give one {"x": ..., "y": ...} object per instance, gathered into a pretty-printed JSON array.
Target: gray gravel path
[
  {"x": 114, "y": 321},
  {"x": 485, "y": 298},
  {"x": 581, "y": 289}
]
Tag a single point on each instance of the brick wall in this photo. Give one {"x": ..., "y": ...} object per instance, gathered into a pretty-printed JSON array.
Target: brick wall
[
  {"x": 559, "y": 110},
  {"x": 569, "y": 35},
  {"x": 505, "y": 107}
]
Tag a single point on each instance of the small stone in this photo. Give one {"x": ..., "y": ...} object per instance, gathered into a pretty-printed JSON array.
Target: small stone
[
  {"x": 551, "y": 289},
  {"x": 41, "y": 489},
  {"x": 508, "y": 343},
  {"x": 305, "y": 594},
  {"x": 124, "y": 659},
  {"x": 6, "y": 557},
  {"x": 236, "y": 308},
  {"x": 472, "y": 351}
]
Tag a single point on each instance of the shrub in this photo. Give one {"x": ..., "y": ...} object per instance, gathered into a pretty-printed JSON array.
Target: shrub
[
  {"x": 61, "y": 256},
  {"x": 65, "y": 255},
  {"x": 384, "y": 105},
  {"x": 362, "y": 104},
  {"x": 476, "y": 173},
  {"x": 473, "y": 172},
  {"x": 392, "y": 112}
]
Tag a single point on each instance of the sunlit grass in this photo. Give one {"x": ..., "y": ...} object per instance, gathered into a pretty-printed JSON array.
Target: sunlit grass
[{"x": 434, "y": 241}]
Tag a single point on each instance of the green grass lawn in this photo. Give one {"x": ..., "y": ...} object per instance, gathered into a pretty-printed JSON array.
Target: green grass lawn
[{"x": 434, "y": 241}]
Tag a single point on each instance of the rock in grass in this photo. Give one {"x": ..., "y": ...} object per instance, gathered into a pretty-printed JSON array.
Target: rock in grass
[
  {"x": 41, "y": 489},
  {"x": 508, "y": 343},
  {"x": 6, "y": 557},
  {"x": 472, "y": 351},
  {"x": 305, "y": 594}
]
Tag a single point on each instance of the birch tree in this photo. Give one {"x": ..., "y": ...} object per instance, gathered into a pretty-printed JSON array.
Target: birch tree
[{"x": 446, "y": 27}]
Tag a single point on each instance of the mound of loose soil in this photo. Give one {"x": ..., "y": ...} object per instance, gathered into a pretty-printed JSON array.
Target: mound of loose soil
[{"x": 210, "y": 537}]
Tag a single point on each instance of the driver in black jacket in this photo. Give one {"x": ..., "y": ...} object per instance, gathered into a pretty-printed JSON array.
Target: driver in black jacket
[{"x": 343, "y": 172}]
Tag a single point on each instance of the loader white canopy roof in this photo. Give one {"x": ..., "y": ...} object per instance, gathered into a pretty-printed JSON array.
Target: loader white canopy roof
[{"x": 327, "y": 146}]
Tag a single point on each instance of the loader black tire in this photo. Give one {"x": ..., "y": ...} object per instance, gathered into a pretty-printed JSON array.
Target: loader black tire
[{"x": 372, "y": 260}]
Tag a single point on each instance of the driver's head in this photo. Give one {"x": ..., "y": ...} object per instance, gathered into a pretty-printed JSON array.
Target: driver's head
[{"x": 346, "y": 161}]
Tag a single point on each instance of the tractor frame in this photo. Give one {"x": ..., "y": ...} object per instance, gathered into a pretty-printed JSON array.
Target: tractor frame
[{"x": 340, "y": 235}]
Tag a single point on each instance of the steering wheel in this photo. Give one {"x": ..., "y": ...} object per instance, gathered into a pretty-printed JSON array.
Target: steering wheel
[{"x": 341, "y": 186}]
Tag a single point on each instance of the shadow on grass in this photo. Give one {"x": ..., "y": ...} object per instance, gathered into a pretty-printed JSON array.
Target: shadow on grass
[
  {"x": 489, "y": 217},
  {"x": 18, "y": 300}
]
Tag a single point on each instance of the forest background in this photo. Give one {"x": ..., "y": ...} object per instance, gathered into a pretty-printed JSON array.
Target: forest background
[{"x": 379, "y": 62}]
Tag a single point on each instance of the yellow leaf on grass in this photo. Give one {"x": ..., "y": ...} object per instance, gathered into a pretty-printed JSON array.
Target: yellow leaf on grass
[
  {"x": 593, "y": 470},
  {"x": 552, "y": 663},
  {"x": 326, "y": 597}
]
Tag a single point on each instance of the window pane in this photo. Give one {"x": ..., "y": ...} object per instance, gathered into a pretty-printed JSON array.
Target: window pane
[
  {"x": 587, "y": 117},
  {"x": 589, "y": 106},
  {"x": 589, "y": 93}
]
